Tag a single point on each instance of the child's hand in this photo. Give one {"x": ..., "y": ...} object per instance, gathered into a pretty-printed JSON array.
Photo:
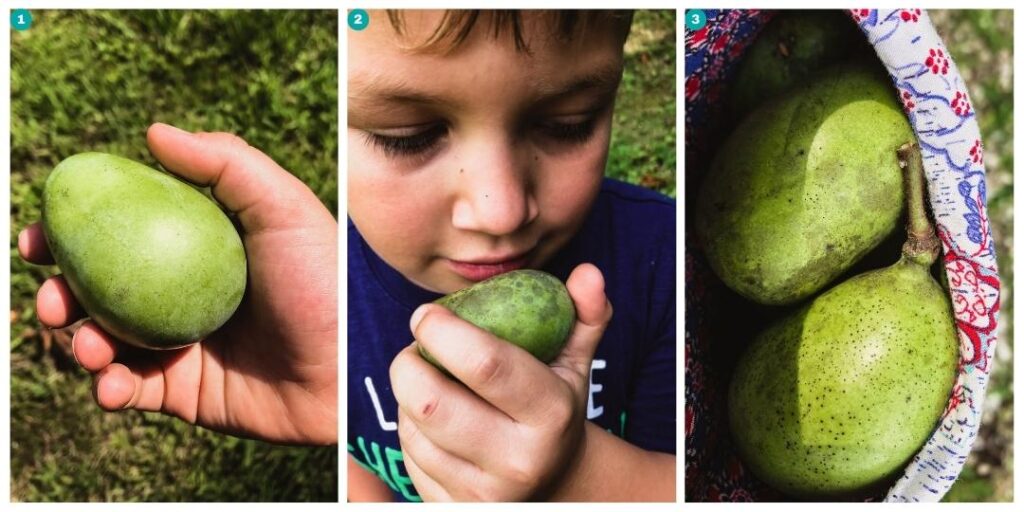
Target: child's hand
[
  {"x": 515, "y": 429},
  {"x": 271, "y": 371}
]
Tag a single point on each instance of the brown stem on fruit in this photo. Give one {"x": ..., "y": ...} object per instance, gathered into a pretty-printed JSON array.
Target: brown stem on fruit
[{"x": 922, "y": 246}]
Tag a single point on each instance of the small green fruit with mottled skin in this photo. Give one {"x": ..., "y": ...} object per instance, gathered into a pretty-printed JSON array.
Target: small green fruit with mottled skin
[
  {"x": 528, "y": 308},
  {"x": 804, "y": 187},
  {"x": 835, "y": 399},
  {"x": 152, "y": 260}
]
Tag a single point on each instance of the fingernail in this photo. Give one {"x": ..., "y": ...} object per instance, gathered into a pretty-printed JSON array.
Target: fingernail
[
  {"x": 174, "y": 128},
  {"x": 73, "y": 352},
  {"x": 417, "y": 316},
  {"x": 22, "y": 241}
]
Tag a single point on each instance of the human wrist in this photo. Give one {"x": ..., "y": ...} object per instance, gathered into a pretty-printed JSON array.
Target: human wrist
[
  {"x": 608, "y": 468},
  {"x": 572, "y": 485}
]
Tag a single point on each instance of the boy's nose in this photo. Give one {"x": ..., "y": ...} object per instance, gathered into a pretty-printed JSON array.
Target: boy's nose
[{"x": 494, "y": 197}]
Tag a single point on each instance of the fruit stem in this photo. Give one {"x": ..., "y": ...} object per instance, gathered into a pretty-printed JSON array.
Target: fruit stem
[{"x": 922, "y": 246}]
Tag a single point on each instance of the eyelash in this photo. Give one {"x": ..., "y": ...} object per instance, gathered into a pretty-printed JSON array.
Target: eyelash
[
  {"x": 571, "y": 133},
  {"x": 421, "y": 142},
  {"x": 408, "y": 145}
]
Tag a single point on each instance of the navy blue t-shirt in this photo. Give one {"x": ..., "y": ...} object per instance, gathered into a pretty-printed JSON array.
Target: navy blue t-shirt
[{"x": 630, "y": 236}]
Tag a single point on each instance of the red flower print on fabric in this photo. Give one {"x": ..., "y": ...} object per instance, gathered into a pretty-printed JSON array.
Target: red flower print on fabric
[
  {"x": 908, "y": 101},
  {"x": 937, "y": 61},
  {"x": 960, "y": 104},
  {"x": 976, "y": 153},
  {"x": 910, "y": 15},
  {"x": 860, "y": 15}
]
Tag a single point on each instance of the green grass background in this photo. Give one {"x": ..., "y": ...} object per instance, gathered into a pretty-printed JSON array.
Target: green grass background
[
  {"x": 94, "y": 81},
  {"x": 643, "y": 145}
]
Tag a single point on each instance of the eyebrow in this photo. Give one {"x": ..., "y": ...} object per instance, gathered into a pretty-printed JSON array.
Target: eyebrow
[
  {"x": 381, "y": 91},
  {"x": 604, "y": 77}
]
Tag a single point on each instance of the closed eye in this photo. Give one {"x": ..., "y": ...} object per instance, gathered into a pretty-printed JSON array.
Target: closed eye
[
  {"x": 569, "y": 132},
  {"x": 401, "y": 143}
]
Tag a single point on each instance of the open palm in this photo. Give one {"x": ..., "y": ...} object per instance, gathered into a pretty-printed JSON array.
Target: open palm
[{"x": 271, "y": 371}]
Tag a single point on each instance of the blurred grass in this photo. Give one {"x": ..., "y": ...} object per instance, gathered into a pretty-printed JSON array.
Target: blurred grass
[
  {"x": 981, "y": 42},
  {"x": 94, "y": 81},
  {"x": 643, "y": 145}
]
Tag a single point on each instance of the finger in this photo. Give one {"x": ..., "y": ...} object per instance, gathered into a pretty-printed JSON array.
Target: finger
[
  {"x": 94, "y": 349},
  {"x": 120, "y": 387},
  {"x": 501, "y": 373},
  {"x": 56, "y": 305},
  {"x": 244, "y": 180},
  {"x": 32, "y": 245},
  {"x": 164, "y": 381},
  {"x": 593, "y": 312},
  {"x": 440, "y": 470},
  {"x": 451, "y": 416},
  {"x": 183, "y": 371},
  {"x": 428, "y": 489}
]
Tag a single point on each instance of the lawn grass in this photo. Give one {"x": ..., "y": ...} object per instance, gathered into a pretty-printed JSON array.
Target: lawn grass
[
  {"x": 643, "y": 145},
  {"x": 94, "y": 81}
]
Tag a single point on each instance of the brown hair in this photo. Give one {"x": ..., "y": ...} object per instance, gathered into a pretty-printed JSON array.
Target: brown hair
[{"x": 456, "y": 25}]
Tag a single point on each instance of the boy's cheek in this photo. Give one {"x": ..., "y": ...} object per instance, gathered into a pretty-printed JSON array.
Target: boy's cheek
[
  {"x": 569, "y": 193},
  {"x": 392, "y": 213},
  {"x": 380, "y": 194}
]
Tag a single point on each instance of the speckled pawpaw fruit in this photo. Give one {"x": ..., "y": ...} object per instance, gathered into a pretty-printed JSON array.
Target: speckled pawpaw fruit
[
  {"x": 804, "y": 187},
  {"x": 841, "y": 394},
  {"x": 529, "y": 308},
  {"x": 835, "y": 399}
]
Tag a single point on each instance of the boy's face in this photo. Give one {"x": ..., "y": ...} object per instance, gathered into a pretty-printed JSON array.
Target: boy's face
[{"x": 466, "y": 164}]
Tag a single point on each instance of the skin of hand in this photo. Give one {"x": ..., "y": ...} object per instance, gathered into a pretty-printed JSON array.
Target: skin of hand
[
  {"x": 515, "y": 424},
  {"x": 271, "y": 371}
]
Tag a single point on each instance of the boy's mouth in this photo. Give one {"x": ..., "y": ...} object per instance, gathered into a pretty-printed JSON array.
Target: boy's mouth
[{"x": 485, "y": 268}]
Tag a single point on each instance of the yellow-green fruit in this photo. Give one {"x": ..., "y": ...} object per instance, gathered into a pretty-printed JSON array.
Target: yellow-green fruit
[
  {"x": 835, "y": 399},
  {"x": 528, "y": 308},
  {"x": 793, "y": 47},
  {"x": 151, "y": 260},
  {"x": 805, "y": 186}
]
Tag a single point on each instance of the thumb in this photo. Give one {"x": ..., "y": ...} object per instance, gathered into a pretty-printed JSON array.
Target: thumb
[
  {"x": 244, "y": 180},
  {"x": 593, "y": 312}
]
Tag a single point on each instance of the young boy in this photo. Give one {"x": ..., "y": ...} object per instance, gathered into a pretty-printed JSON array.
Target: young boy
[{"x": 477, "y": 146}]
